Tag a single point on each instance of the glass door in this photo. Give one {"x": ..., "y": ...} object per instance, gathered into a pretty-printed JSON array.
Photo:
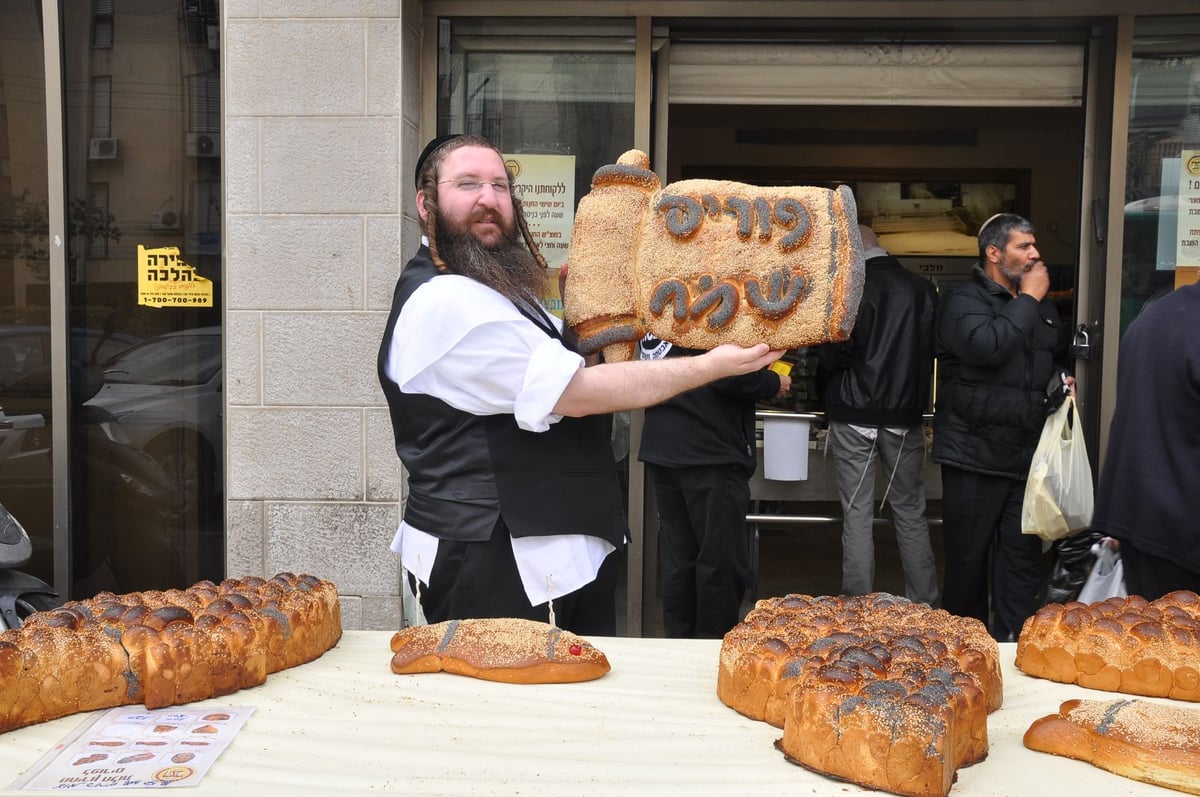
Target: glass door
[
  {"x": 26, "y": 416},
  {"x": 143, "y": 143},
  {"x": 1162, "y": 174},
  {"x": 140, "y": 284}
]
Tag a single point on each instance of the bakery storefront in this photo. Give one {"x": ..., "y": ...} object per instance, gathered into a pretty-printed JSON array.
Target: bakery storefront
[
  {"x": 268, "y": 147},
  {"x": 251, "y": 436},
  {"x": 935, "y": 122}
]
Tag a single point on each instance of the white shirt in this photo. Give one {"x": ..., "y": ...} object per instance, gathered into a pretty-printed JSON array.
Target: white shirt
[{"x": 449, "y": 327}]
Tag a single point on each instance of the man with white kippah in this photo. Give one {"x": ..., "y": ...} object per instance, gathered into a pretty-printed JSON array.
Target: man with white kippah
[{"x": 1000, "y": 344}]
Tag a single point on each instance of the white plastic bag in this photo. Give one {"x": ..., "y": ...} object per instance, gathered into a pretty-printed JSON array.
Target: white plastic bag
[
  {"x": 1058, "y": 494},
  {"x": 1107, "y": 579}
]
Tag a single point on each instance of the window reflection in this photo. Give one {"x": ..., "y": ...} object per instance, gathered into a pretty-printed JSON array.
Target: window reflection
[
  {"x": 26, "y": 463},
  {"x": 143, "y": 170},
  {"x": 1164, "y": 123},
  {"x": 541, "y": 86}
]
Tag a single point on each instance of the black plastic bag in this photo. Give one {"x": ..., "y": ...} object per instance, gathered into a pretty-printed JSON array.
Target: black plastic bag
[{"x": 1073, "y": 560}]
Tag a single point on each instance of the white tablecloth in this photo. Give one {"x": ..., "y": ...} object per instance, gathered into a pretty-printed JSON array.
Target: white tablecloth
[{"x": 654, "y": 725}]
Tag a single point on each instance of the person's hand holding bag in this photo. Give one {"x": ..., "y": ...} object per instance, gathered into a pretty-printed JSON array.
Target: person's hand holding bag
[{"x": 1058, "y": 494}]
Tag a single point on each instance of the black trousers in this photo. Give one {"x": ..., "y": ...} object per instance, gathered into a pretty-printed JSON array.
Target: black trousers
[
  {"x": 1152, "y": 576},
  {"x": 703, "y": 547},
  {"x": 981, "y": 517},
  {"x": 480, "y": 579}
]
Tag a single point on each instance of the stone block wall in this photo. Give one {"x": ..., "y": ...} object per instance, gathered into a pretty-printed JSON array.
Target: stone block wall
[{"x": 321, "y": 127}]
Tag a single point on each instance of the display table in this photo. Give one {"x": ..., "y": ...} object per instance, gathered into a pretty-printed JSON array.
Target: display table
[{"x": 654, "y": 725}]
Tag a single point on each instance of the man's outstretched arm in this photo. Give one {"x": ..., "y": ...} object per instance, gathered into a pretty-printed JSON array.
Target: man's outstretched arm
[{"x": 611, "y": 387}]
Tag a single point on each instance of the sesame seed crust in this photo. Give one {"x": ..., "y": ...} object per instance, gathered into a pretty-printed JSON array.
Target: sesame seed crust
[
  {"x": 751, "y": 264},
  {"x": 504, "y": 649},
  {"x": 1138, "y": 739},
  {"x": 870, "y": 689}
]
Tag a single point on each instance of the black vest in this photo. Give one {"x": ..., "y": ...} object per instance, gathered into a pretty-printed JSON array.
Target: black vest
[{"x": 467, "y": 471}]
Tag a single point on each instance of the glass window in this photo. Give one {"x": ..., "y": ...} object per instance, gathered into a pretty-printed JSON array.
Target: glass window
[
  {"x": 558, "y": 95},
  {"x": 146, "y": 443},
  {"x": 102, "y": 23},
  {"x": 204, "y": 97},
  {"x": 97, "y": 206},
  {"x": 559, "y": 86},
  {"x": 101, "y": 106},
  {"x": 1162, "y": 195},
  {"x": 26, "y": 458}
]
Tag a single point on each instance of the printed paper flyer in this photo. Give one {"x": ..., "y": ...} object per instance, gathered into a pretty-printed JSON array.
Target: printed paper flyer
[
  {"x": 166, "y": 281},
  {"x": 131, "y": 747}
]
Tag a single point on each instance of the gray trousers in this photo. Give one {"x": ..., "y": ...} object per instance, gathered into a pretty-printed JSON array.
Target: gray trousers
[{"x": 902, "y": 458}]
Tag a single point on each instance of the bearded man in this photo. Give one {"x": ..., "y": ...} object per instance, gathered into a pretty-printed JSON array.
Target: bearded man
[
  {"x": 514, "y": 507},
  {"x": 999, "y": 344}
]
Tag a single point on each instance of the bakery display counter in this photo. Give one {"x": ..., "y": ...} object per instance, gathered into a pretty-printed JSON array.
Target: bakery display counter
[{"x": 653, "y": 725}]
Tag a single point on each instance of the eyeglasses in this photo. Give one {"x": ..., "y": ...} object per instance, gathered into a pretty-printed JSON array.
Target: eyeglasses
[{"x": 471, "y": 185}]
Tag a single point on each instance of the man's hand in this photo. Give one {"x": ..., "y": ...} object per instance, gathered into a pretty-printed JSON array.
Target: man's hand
[
  {"x": 1036, "y": 281},
  {"x": 785, "y": 386},
  {"x": 729, "y": 359}
]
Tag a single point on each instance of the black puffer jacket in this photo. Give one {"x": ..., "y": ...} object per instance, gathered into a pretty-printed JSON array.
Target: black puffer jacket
[{"x": 996, "y": 355}]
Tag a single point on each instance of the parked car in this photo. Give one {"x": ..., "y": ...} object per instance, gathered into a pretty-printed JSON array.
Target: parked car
[
  {"x": 24, "y": 349},
  {"x": 165, "y": 393},
  {"x": 123, "y": 504}
]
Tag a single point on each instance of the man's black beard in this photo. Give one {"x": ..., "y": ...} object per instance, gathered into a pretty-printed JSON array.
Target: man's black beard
[{"x": 507, "y": 267}]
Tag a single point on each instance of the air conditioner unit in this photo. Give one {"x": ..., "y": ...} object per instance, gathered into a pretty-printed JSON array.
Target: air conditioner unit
[
  {"x": 203, "y": 145},
  {"x": 100, "y": 149},
  {"x": 165, "y": 220}
]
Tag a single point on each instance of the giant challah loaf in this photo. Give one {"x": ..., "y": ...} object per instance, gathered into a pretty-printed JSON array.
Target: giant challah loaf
[
  {"x": 506, "y": 649},
  {"x": 871, "y": 689},
  {"x": 705, "y": 262},
  {"x": 163, "y": 648},
  {"x": 1128, "y": 645},
  {"x": 1137, "y": 739}
]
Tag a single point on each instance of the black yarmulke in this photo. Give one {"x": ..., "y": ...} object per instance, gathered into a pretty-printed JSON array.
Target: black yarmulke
[{"x": 431, "y": 148}]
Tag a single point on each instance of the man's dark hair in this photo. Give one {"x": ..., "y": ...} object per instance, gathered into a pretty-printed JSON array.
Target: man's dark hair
[
  {"x": 995, "y": 231},
  {"x": 427, "y": 180}
]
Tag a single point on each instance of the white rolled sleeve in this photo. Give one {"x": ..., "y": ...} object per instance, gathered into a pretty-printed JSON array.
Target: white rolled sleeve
[{"x": 464, "y": 343}]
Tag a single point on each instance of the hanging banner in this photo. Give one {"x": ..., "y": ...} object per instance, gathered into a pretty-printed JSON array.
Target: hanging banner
[{"x": 166, "y": 281}]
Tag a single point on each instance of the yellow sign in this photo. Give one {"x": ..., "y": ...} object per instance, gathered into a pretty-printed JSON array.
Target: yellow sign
[{"x": 166, "y": 281}]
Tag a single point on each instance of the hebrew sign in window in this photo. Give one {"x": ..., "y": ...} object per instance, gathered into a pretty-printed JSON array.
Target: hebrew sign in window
[{"x": 166, "y": 281}]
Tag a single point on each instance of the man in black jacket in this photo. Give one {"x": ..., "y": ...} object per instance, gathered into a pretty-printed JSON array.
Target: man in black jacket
[
  {"x": 1149, "y": 491},
  {"x": 876, "y": 395},
  {"x": 700, "y": 452},
  {"x": 998, "y": 343}
]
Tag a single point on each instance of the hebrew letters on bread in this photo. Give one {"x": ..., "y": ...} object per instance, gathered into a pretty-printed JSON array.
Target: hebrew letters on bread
[
  {"x": 871, "y": 689},
  {"x": 1128, "y": 645},
  {"x": 704, "y": 262},
  {"x": 1137, "y": 739},
  {"x": 498, "y": 649},
  {"x": 163, "y": 648}
]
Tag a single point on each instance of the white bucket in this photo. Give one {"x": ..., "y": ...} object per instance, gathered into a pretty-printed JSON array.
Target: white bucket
[{"x": 785, "y": 449}]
